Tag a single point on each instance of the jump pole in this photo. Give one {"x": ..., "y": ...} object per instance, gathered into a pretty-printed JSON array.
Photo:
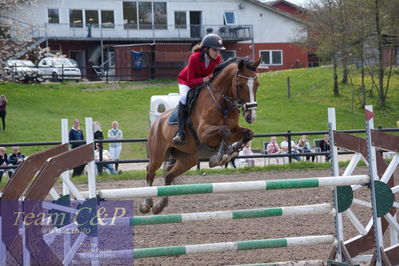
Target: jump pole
[
  {"x": 215, "y": 247},
  {"x": 231, "y": 187}
]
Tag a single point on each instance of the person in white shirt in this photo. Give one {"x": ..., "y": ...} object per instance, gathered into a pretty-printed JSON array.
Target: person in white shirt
[
  {"x": 106, "y": 157},
  {"x": 294, "y": 148},
  {"x": 246, "y": 151},
  {"x": 115, "y": 148}
]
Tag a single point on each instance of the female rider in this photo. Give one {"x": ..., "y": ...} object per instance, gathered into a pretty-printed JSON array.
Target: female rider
[{"x": 201, "y": 64}]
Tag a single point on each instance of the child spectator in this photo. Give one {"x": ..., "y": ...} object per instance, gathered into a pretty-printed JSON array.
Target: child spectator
[
  {"x": 294, "y": 148},
  {"x": 325, "y": 146},
  {"x": 106, "y": 157},
  {"x": 115, "y": 147},
  {"x": 3, "y": 161},
  {"x": 304, "y": 147}
]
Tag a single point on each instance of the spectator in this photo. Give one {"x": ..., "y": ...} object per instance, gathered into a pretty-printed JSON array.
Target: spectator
[
  {"x": 273, "y": 148},
  {"x": 15, "y": 159},
  {"x": 106, "y": 157},
  {"x": 98, "y": 134},
  {"x": 325, "y": 146},
  {"x": 3, "y": 161},
  {"x": 304, "y": 147},
  {"x": 115, "y": 147},
  {"x": 246, "y": 151},
  {"x": 76, "y": 134},
  {"x": 294, "y": 148},
  {"x": 3, "y": 104}
]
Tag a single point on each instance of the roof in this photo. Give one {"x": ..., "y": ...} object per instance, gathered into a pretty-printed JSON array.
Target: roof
[
  {"x": 277, "y": 11},
  {"x": 275, "y": 2}
]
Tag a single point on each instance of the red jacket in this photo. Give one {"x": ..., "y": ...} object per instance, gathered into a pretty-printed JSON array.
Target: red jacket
[{"x": 193, "y": 74}]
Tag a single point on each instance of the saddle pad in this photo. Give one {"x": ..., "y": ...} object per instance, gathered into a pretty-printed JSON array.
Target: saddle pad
[{"x": 172, "y": 120}]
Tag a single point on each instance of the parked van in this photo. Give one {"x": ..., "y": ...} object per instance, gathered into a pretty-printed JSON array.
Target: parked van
[
  {"x": 59, "y": 68},
  {"x": 161, "y": 103}
]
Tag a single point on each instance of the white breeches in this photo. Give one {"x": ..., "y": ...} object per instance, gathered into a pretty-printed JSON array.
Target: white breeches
[{"x": 183, "y": 90}]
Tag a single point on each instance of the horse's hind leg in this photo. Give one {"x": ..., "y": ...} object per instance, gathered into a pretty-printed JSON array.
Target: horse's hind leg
[{"x": 183, "y": 163}]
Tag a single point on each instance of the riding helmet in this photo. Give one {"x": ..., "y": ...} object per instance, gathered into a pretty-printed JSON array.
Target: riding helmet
[{"x": 213, "y": 41}]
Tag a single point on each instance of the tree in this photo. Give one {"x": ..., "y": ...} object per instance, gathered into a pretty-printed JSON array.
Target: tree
[{"x": 15, "y": 32}]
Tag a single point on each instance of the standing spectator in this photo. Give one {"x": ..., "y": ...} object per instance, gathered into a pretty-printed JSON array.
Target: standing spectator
[
  {"x": 15, "y": 158},
  {"x": 3, "y": 104},
  {"x": 3, "y": 160},
  {"x": 273, "y": 148},
  {"x": 76, "y": 134},
  {"x": 325, "y": 146},
  {"x": 106, "y": 157},
  {"x": 115, "y": 147},
  {"x": 98, "y": 134},
  {"x": 304, "y": 146},
  {"x": 294, "y": 148}
]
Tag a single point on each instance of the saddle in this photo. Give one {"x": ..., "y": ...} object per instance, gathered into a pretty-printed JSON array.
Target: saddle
[{"x": 192, "y": 96}]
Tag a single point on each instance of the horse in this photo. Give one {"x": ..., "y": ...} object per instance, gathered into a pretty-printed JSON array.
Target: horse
[{"x": 215, "y": 130}]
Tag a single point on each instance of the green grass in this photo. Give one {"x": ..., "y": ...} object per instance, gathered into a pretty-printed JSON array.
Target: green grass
[{"x": 34, "y": 111}]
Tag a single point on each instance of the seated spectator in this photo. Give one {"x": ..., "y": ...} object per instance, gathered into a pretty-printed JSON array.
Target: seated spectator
[
  {"x": 304, "y": 147},
  {"x": 325, "y": 146},
  {"x": 273, "y": 147},
  {"x": 246, "y": 151},
  {"x": 232, "y": 161},
  {"x": 3, "y": 161},
  {"x": 106, "y": 157},
  {"x": 14, "y": 159},
  {"x": 294, "y": 148}
]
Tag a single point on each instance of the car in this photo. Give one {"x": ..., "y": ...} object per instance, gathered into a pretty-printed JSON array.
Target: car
[
  {"x": 22, "y": 71},
  {"x": 59, "y": 68}
]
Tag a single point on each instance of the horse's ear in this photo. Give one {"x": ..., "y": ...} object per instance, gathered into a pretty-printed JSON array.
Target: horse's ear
[
  {"x": 257, "y": 62},
  {"x": 241, "y": 64}
]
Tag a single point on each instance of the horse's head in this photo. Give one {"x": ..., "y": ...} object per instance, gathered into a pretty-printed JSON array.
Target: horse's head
[{"x": 245, "y": 86}]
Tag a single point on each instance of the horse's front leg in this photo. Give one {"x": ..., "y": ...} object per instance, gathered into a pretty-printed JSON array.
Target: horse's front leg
[
  {"x": 147, "y": 204},
  {"x": 240, "y": 137},
  {"x": 215, "y": 136}
]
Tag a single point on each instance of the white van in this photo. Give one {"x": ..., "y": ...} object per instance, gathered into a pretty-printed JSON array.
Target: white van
[
  {"x": 161, "y": 103},
  {"x": 59, "y": 68}
]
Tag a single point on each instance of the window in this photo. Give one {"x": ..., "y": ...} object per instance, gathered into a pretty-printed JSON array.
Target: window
[
  {"x": 180, "y": 20},
  {"x": 145, "y": 15},
  {"x": 75, "y": 18},
  {"x": 160, "y": 16},
  {"x": 271, "y": 57},
  {"x": 130, "y": 15},
  {"x": 107, "y": 18},
  {"x": 226, "y": 54},
  {"x": 92, "y": 18},
  {"x": 53, "y": 16},
  {"x": 230, "y": 18}
]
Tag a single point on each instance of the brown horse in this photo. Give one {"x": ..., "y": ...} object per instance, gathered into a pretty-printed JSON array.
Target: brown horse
[{"x": 215, "y": 117}]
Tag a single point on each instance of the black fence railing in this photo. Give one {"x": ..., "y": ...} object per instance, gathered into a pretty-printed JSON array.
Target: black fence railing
[{"x": 262, "y": 154}]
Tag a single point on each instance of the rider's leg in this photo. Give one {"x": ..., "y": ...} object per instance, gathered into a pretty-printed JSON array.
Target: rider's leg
[{"x": 179, "y": 138}]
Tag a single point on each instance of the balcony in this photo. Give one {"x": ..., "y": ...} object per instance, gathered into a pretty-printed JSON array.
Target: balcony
[{"x": 126, "y": 32}]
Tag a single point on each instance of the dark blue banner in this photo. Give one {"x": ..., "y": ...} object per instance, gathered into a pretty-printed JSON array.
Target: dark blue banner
[{"x": 137, "y": 60}]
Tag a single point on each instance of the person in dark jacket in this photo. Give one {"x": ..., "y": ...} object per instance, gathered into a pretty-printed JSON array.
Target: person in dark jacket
[
  {"x": 98, "y": 134},
  {"x": 325, "y": 146},
  {"x": 3, "y": 104},
  {"x": 201, "y": 65},
  {"x": 76, "y": 134},
  {"x": 15, "y": 158}
]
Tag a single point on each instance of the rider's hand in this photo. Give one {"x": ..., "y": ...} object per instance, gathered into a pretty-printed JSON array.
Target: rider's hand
[{"x": 206, "y": 79}]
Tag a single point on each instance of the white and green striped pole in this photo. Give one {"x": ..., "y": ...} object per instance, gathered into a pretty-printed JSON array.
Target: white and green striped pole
[
  {"x": 214, "y": 247},
  {"x": 231, "y": 187},
  {"x": 323, "y": 208}
]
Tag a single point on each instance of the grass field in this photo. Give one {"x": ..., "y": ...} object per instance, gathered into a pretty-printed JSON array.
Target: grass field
[{"x": 34, "y": 111}]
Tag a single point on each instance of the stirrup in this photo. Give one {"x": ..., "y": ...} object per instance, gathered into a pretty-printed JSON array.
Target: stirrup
[{"x": 179, "y": 139}]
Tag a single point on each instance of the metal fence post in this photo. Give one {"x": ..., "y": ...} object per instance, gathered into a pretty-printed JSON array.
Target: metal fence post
[{"x": 289, "y": 146}]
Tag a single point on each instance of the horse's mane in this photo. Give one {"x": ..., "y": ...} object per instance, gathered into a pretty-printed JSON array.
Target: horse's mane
[{"x": 248, "y": 63}]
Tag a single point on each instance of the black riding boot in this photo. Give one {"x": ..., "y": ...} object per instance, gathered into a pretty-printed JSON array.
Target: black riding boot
[{"x": 180, "y": 137}]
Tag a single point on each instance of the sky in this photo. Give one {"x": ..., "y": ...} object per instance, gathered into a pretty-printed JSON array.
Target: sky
[{"x": 297, "y": 2}]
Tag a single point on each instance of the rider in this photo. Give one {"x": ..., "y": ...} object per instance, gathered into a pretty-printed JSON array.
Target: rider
[{"x": 202, "y": 62}]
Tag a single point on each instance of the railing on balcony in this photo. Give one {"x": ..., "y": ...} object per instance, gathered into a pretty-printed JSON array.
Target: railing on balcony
[{"x": 170, "y": 32}]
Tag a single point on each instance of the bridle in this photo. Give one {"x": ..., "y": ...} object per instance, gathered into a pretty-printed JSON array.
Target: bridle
[{"x": 236, "y": 102}]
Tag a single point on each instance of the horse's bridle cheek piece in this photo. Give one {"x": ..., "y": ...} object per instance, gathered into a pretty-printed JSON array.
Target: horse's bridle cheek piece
[{"x": 251, "y": 105}]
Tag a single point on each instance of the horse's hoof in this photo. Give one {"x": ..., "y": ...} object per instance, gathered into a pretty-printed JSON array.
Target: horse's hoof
[
  {"x": 146, "y": 206},
  {"x": 226, "y": 158},
  {"x": 213, "y": 162},
  {"x": 159, "y": 206}
]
